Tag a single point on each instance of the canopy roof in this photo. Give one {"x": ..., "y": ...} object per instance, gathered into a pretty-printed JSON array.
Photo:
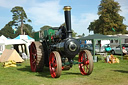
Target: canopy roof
[
  {"x": 23, "y": 37},
  {"x": 97, "y": 37},
  {"x": 14, "y": 41},
  {"x": 3, "y": 37}
]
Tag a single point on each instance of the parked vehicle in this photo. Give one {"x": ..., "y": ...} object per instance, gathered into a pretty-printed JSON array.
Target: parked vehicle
[
  {"x": 107, "y": 47},
  {"x": 116, "y": 50},
  {"x": 98, "y": 49},
  {"x": 90, "y": 47}
]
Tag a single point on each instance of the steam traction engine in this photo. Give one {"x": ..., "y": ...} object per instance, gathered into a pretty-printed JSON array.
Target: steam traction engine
[{"x": 58, "y": 49}]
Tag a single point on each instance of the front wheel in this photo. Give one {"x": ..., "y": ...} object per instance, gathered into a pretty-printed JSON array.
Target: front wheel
[
  {"x": 86, "y": 62},
  {"x": 55, "y": 64}
]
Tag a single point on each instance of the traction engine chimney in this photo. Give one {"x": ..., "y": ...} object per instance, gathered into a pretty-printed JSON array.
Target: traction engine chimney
[{"x": 67, "y": 11}]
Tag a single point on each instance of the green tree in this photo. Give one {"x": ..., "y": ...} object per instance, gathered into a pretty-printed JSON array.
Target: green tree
[
  {"x": 83, "y": 35},
  {"x": 79, "y": 36},
  {"x": 64, "y": 24},
  {"x": 27, "y": 29},
  {"x": 7, "y": 31},
  {"x": 110, "y": 21},
  {"x": 19, "y": 17},
  {"x": 46, "y": 27},
  {"x": 73, "y": 32}
]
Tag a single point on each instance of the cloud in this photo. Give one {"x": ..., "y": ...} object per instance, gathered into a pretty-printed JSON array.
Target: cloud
[
  {"x": 80, "y": 25},
  {"x": 46, "y": 13},
  {"x": 124, "y": 8},
  {"x": 11, "y": 3}
]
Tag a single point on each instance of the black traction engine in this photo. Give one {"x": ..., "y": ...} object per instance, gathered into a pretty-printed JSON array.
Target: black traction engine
[{"x": 58, "y": 49}]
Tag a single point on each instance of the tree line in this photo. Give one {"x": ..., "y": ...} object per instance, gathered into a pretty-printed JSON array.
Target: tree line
[{"x": 109, "y": 22}]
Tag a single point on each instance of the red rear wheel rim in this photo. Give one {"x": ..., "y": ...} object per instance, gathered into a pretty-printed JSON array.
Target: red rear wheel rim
[
  {"x": 33, "y": 56},
  {"x": 84, "y": 66}
]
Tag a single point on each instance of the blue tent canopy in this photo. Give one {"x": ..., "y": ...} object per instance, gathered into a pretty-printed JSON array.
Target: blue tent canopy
[{"x": 23, "y": 37}]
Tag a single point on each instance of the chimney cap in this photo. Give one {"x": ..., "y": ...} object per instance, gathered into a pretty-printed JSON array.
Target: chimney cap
[{"x": 67, "y": 8}]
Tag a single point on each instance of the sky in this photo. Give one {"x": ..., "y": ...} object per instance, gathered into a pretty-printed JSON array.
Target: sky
[{"x": 50, "y": 12}]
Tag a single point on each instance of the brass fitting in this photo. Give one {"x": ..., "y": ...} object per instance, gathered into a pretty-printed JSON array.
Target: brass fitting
[{"x": 67, "y": 8}]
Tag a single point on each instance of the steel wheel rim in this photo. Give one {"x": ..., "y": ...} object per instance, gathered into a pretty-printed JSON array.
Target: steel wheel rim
[
  {"x": 52, "y": 65},
  {"x": 84, "y": 63},
  {"x": 55, "y": 64},
  {"x": 33, "y": 57}
]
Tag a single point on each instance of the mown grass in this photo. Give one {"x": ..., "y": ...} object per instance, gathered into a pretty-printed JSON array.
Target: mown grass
[
  {"x": 8, "y": 46},
  {"x": 103, "y": 74}
]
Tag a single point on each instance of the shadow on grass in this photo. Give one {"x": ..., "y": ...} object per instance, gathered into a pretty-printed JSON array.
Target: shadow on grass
[
  {"x": 26, "y": 68},
  {"x": 122, "y": 71},
  {"x": 71, "y": 73},
  {"x": 44, "y": 73}
]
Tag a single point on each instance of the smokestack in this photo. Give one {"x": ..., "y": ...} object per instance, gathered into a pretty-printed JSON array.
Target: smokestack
[{"x": 67, "y": 12}]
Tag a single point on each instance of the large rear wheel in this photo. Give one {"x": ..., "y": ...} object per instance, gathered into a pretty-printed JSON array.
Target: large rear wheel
[
  {"x": 86, "y": 62},
  {"x": 55, "y": 64},
  {"x": 36, "y": 57}
]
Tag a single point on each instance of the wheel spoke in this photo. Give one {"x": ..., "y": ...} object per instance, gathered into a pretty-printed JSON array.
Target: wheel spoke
[
  {"x": 87, "y": 62},
  {"x": 34, "y": 61},
  {"x": 34, "y": 54},
  {"x": 83, "y": 67},
  {"x": 55, "y": 65},
  {"x": 87, "y": 68}
]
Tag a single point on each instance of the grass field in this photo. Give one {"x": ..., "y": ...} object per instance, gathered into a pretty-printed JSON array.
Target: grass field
[
  {"x": 8, "y": 46},
  {"x": 103, "y": 74}
]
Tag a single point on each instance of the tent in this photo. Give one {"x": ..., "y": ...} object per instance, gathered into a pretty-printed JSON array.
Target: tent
[
  {"x": 25, "y": 38},
  {"x": 21, "y": 39},
  {"x": 95, "y": 37},
  {"x": 10, "y": 55},
  {"x": 3, "y": 37},
  {"x": 21, "y": 43},
  {"x": 2, "y": 43},
  {"x": 2, "y": 47},
  {"x": 14, "y": 41}
]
